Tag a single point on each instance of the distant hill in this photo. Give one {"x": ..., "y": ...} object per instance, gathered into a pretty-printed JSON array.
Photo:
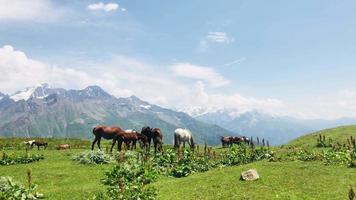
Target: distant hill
[
  {"x": 338, "y": 134},
  {"x": 276, "y": 129},
  {"x": 42, "y": 111}
]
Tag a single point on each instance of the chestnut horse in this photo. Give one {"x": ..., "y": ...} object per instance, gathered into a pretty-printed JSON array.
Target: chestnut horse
[
  {"x": 154, "y": 134},
  {"x": 116, "y": 134},
  {"x": 106, "y": 132},
  {"x": 133, "y": 137}
]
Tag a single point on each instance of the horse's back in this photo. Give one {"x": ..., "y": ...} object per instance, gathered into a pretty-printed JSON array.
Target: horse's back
[
  {"x": 183, "y": 133},
  {"x": 107, "y": 132}
]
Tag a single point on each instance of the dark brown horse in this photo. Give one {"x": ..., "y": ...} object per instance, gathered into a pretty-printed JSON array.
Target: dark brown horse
[
  {"x": 227, "y": 141},
  {"x": 106, "y": 132},
  {"x": 239, "y": 140},
  {"x": 154, "y": 134},
  {"x": 39, "y": 144}
]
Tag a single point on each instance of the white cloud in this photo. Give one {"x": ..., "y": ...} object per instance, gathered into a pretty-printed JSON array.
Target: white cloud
[
  {"x": 105, "y": 7},
  {"x": 202, "y": 100},
  {"x": 124, "y": 76},
  {"x": 219, "y": 37},
  {"x": 196, "y": 72},
  {"x": 23, "y": 10}
]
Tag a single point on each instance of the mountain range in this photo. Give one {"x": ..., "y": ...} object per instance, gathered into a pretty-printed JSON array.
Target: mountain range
[
  {"x": 42, "y": 111},
  {"x": 276, "y": 129}
]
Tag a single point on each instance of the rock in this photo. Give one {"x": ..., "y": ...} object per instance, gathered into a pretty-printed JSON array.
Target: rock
[{"x": 249, "y": 175}]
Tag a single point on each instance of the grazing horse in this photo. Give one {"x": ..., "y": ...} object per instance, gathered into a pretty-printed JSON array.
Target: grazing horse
[
  {"x": 183, "y": 135},
  {"x": 63, "y": 146},
  {"x": 106, "y": 132},
  {"x": 39, "y": 143},
  {"x": 154, "y": 134},
  {"x": 239, "y": 140},
  {"x": 132, "y": 138},
  {"x": 227, "y": 141},
  {"x": 29, "y": 143}
]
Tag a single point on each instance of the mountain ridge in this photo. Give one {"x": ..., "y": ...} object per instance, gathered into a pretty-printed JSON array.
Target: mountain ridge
[{"x": 57, "y": 112}]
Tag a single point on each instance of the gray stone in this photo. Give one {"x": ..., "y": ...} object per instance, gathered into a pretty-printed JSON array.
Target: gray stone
[{"x": 249, "y": 175}]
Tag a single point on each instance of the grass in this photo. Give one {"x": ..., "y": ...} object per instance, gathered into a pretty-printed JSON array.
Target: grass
[
  {"x": 339, "y": 134},
  {"x": 58, "y": 177},
  {"x": 280, "y": 180}
]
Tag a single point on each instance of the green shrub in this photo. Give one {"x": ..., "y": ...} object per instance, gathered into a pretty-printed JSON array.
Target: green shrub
[
  {"x": 9, "y": 190},
  {"x": 93, "y": 157},
  {"x": 130, "y": 182},
  {"x": 13, "y": 160}
]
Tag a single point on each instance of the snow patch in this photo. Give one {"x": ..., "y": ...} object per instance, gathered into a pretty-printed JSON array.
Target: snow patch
[{"x": 145, "y": 106}]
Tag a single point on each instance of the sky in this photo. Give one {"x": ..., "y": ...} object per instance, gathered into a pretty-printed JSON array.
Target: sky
[{"x": 288, "y": 58}]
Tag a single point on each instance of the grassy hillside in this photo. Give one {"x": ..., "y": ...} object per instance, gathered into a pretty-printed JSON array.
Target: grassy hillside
[
  {"x": 58, "y": 177},
  {"x": 339, "y": 134},
  {"x": 287, "y": 180}
]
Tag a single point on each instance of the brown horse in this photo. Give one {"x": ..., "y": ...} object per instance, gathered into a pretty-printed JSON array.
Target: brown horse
[
  {"x": 154, "y": 134},
  {"x": 39, "y": 144},
  {"x": 239, "y": 140},
  {"x": 227, "y": 141},
  {"x": 106, "y": 132},
  {"x": 63, "y": 146},
  {"x": 139, "y": 137}
]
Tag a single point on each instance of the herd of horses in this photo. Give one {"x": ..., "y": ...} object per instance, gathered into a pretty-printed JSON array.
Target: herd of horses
[
  {"x": 130, "y": 137},
  {"x": 145, "y": 137}
]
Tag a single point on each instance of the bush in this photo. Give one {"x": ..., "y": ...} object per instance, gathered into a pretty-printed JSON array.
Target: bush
[
  {"x": 13, "y": 160},
  {"x": 129, "y": 182},
  {"x": 93, "y": 157},
  {"x": 11, "y": 190}
]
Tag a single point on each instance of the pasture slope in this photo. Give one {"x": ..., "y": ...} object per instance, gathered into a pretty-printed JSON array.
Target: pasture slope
[
  {"x": 339, "y": 134},
  {"x": 58, "y": 177}
]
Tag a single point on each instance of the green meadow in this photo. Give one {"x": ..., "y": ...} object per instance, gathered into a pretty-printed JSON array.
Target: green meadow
[{"x": 59, "y": 177}]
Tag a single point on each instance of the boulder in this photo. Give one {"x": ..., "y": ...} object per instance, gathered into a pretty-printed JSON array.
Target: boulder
[{"x": 249, "y": 175}]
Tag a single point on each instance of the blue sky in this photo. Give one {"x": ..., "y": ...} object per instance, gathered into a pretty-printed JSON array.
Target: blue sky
[{"x": 282, "y": 57}]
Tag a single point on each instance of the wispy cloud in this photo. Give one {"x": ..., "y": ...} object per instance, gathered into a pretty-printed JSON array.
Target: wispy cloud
[
  {"x": 214, "y": 37},
  {"x": 219, "y": 37},
  {"x": 105, "y": 7},
  {"x": 235, "y": 62},
  {"x": 20, "y": 10},
  {"x": 206, "y": 74}
]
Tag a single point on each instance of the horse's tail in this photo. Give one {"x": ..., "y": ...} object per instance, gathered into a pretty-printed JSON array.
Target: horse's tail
[
  {"x": 176, "y": 140},
  {"x": 192, "y": 141}
]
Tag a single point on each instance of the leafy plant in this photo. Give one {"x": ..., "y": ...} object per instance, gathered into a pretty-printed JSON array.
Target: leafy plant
[
  {"x": 19, "y": 159},
  {"x": 9, "y": 190},
  {"x": 130, "y": 182},
  {"x": 93, "y": 157}
]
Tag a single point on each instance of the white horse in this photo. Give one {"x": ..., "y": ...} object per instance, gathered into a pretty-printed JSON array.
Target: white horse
[
  {"x": 183, "y": 135},
  {"x": 29, "y": 143}
]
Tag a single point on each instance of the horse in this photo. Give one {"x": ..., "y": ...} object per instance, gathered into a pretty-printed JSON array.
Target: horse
[
  {"x": 154, "y": 134},
  {"x": 63, "y": 146},
  {"x": 29, "y": 143},
  {"x": 106, "y": 132},
  {"x": 183, "y": 135},
  {"x": 227, "y": 141},
  {"x": 133, "y": 137},
  {"x": 239, "y": 140},
  {"x": 39, "y": 143}
]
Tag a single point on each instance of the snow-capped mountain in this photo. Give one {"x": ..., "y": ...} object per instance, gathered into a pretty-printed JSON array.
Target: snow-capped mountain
[{"x": 42, "y": 111}]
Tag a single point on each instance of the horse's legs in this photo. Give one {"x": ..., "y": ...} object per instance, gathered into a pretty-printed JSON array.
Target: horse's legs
[
  {"x": 38, "y": 147},
  {"x": 183, "y": 144},
  {"x": 113, "y": 144},
  {"x": 92, "y": 145},
  {"x": 99, "y": 143},
  {"x": 119, "y": 144}
]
